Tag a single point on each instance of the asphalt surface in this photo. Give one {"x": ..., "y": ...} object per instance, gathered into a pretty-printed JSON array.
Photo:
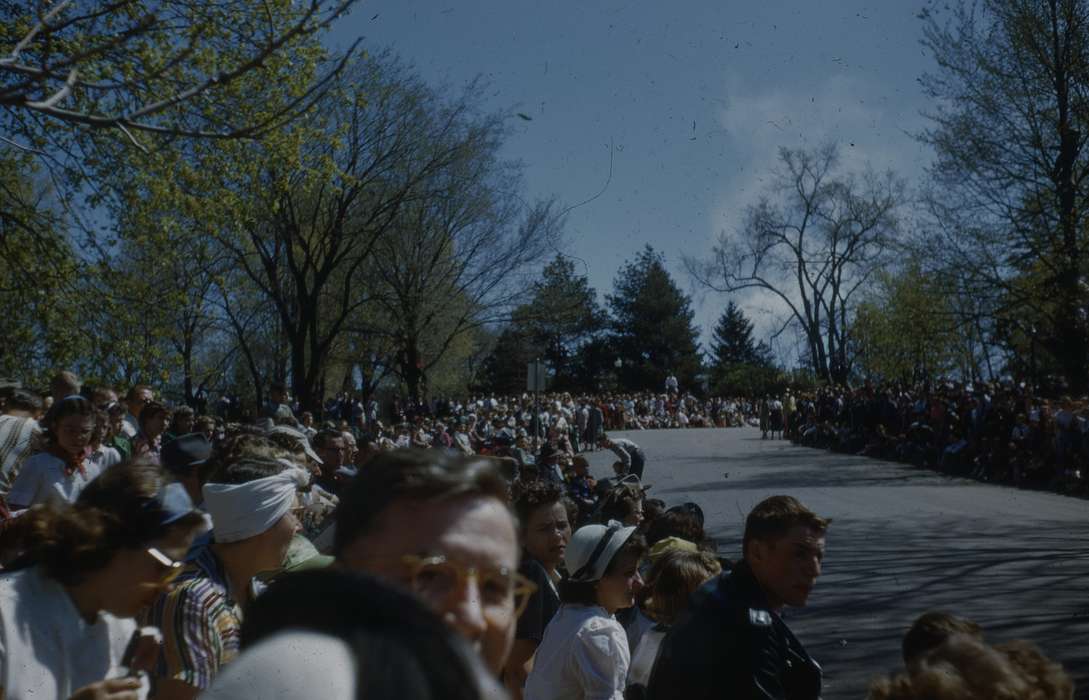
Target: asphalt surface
[{"x": 903, "y": 541}]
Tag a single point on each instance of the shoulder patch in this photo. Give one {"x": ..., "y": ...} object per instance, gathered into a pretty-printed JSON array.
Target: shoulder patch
[{"x": 759, "y": 618}]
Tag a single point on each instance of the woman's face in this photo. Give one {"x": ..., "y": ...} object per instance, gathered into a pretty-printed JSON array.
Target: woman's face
[
  {"x": 617, "y": 589},
  {"x": 74, "y": 433},
  {"x": 135, "y": 577},
  {"x": 276, "y": 541},
  {"x": 635, "y": 515},
  {"x": 547, "y": 533}
]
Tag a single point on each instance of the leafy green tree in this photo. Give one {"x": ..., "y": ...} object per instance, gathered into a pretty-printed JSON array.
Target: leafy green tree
[
  {"x": 652, "y": 326},
  {"x": 561, "y": 315},
  {"x": 1009, "y": 194},
  {"x": 906, "y": 329}
]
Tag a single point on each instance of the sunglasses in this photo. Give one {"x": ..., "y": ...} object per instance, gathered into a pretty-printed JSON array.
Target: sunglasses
[{"x": 171, "y": 568}]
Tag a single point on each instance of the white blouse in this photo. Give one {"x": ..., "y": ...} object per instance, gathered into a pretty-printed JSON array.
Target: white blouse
[
  {"x": 47, "y": 650},
  {"x": 583, "y": 656},
  {"x": 43, "y": 480}
]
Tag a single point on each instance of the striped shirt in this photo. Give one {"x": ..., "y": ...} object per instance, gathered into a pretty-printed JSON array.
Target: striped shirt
[
  {"x": 16, "y": 436},
  {"x": 199, "y": 620}
]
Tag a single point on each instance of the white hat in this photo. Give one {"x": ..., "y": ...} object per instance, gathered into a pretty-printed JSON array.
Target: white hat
[
  {"x": 304, "y": 442},
  {"x": 591, "y": 549},
  {"x": 290, "y": 664}
]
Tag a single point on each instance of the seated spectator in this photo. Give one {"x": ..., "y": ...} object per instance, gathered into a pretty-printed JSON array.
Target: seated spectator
[
  {"x": 672, "y": 579},
  {"x": 66, "y": 607},
  {"x": 440, "y": 526},
  {"x": 18, "y": 433},
  {"x": 584, "y": 652},
  {"x": 545, "y": 532},
  {"x": 963, "y": 667},
  {"x": 930, "y": 630},
  {"x": 59, "y": 472},
  {"x": 251, "y": 501}
]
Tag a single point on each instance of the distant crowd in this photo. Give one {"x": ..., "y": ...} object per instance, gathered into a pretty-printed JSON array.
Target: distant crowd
[{"x": 998, "y": 432}]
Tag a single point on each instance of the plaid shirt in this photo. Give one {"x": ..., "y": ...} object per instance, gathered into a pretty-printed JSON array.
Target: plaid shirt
[{"x": 199, "y": 621}]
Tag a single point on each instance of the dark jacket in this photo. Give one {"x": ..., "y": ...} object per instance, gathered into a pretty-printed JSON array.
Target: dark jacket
[{"x": 731, "y": 645}]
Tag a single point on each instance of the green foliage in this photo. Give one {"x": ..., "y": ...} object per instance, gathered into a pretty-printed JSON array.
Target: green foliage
[
  {"x": 652, "y": 325},
  {"x": 906, "y": 330}
]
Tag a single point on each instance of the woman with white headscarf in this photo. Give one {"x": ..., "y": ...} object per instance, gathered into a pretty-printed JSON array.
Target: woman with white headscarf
[
  {"x": 251, "y": 502},
  {"x": 584, "y": 653}
]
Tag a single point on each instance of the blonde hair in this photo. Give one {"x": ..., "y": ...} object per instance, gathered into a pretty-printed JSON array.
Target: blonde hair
[{"x": 965, "y": 668}]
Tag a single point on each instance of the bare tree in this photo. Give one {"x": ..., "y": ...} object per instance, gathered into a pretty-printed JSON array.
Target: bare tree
[{"x": 813, "y": 242}]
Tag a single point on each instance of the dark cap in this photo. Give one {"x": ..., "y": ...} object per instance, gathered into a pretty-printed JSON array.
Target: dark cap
[{"x": 182, "y": 454}]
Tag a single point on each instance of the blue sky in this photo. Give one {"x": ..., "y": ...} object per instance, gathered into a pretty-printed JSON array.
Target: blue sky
[{"x": 695, "y": 98}]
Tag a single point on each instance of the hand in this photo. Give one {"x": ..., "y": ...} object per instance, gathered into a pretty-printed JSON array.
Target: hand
[{"x": 113, "y": 689}]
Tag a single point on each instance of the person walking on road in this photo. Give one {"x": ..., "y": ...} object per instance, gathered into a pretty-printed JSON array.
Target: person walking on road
[{"x": 733, "y": 641}]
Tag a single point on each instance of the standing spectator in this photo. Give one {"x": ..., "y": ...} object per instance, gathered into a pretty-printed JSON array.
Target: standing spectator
[
  {"x": 278, "y": 402},
  {"x": 180, "y": 424},
  {"x": 66, "y": 620},
  {"x": 332, "y": 449},
  {"x": 733, "y": 641},
  {"x": 545, "y": 533},
  {"x": 149, "y": 441},
  {"x": 101, "y": 454},
  {"x": 64, "y": 384},
  {"x": 251, "y": 504},
  {"x": 584, "y": 653},
  {"x": 60, "y": 472},
  {"x": 439, "y": 525},
  {"x": 18, "y": 431},
  {"x": 135, "y": 400},
  {"x": 117, "y": 438}
]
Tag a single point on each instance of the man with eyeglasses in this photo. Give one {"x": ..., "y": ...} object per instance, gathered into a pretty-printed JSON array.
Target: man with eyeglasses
[
  {"x": 441, "y": 526},
  {"x": 135, "y": 400}
]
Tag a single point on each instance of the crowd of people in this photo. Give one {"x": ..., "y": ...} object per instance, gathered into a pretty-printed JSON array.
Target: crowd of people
[
  {"x": 151, "y": 552},
  {"x": 998, "y": 432}
]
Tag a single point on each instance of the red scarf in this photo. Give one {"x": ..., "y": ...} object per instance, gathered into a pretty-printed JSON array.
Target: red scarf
[{"x": 72, "y": 463}]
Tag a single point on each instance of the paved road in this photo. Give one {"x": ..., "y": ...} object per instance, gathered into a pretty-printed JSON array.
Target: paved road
[{"x": 902, "y": 541}]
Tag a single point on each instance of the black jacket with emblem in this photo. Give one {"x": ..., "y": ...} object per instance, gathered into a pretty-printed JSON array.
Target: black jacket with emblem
[{"x": 731, "y": 645}]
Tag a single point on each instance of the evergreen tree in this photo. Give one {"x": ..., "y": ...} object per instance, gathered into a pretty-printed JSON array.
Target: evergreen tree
[
  {"x": 732, "y": 341},
  {"x": 653, "y": 330},
  {"x": 739, "y": 365}
]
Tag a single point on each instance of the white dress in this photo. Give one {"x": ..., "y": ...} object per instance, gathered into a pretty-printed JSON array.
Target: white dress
[
  {"x": 583, "y": 656},
  {"x": 47, "y": 650}
]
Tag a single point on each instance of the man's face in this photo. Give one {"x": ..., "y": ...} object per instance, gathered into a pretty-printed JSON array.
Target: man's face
[
  {"x": 332, "y": 454},
  {"x": 183, "y": 424},
  {"x": 137, "y": 403},
  {"x": 788, "y": 568},
  {"x": 472, "y": 532}
]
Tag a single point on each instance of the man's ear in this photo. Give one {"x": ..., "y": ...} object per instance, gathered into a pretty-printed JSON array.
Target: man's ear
[{"x": 757, "y": 551}]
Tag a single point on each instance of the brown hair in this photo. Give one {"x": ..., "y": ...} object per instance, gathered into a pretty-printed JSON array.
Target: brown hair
[
  {"x": 117, "y": 510},
  {"x": 534, "y": 495},
  {"x": 774, "y": 517},
  {"x": 411, "y": 474},
  {"x": 965, "y": 668},
  {"x": 673, "y": 578},
  {"x": 74, "y": 405},
  {"x": 931, "y": 629}
]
